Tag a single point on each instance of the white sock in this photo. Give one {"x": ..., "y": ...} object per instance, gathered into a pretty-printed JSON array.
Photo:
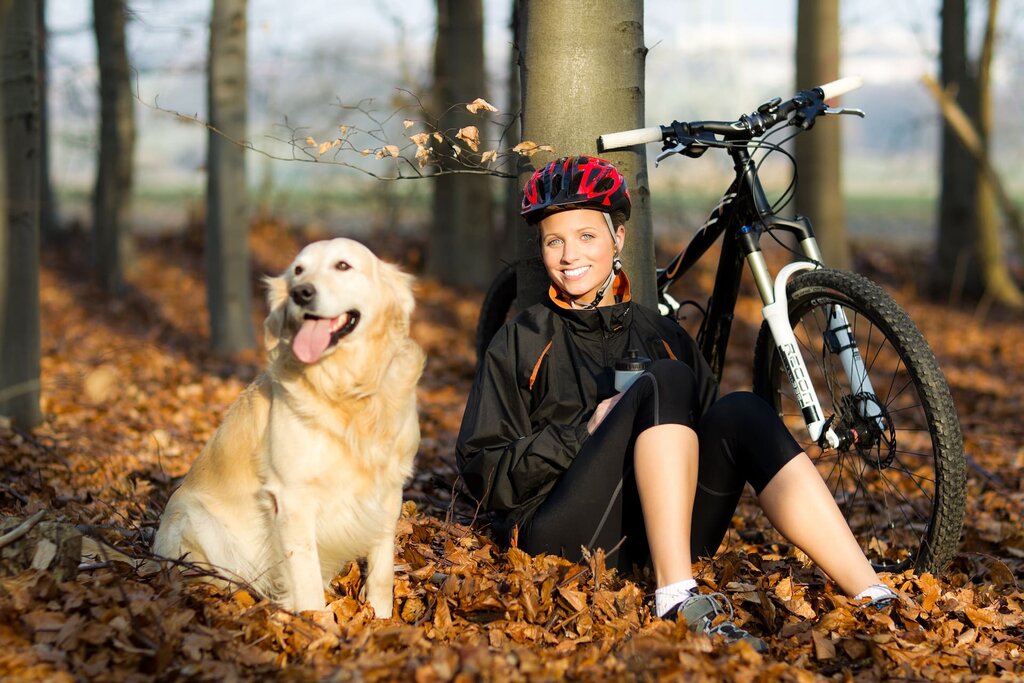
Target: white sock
[
  {"x": 667, "y": 597},
  {"x": 874, "y": 592}
]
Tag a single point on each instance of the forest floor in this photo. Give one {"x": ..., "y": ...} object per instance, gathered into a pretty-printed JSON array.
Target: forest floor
[{"x": 131, "y": 393}]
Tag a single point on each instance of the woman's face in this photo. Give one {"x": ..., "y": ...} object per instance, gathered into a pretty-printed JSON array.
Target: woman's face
[{"x": 577, "y": 249}]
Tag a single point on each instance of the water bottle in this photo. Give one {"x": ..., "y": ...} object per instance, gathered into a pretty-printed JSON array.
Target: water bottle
[{"x": 628, "y": 368}]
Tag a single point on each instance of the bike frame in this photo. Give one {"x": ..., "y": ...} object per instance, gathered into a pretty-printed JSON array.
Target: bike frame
[{"x": 745, "y": 214}]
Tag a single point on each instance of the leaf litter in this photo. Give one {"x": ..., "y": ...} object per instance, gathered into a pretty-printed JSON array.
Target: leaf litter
[{"x": 131, "y": 393}]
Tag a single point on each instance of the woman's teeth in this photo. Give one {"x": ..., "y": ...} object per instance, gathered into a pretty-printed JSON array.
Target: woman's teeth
[{"x": 575, "y": 272}]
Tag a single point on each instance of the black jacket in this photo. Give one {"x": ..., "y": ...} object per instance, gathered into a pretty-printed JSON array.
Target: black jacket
[{"x": 540, "y": 381}]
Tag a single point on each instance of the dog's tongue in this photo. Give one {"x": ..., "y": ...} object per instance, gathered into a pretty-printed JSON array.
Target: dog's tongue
[{"x": 312, "y": 339}]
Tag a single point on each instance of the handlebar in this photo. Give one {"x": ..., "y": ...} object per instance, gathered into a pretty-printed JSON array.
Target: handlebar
[
  {"x": 840, "y": 87},
  {"x": 693, "y": 137}
]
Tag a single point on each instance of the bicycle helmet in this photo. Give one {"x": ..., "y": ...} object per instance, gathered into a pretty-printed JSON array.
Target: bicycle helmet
[{"x": 580, "y": 182}]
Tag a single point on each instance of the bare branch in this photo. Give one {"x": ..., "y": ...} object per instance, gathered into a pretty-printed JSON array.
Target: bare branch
[{"x": 423, "y": 152}]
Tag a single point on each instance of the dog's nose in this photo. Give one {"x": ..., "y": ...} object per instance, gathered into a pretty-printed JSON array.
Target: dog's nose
[{"x": 303, "y": 294}]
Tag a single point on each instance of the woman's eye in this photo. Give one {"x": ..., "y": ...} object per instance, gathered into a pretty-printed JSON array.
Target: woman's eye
[
  {"x": 554, "y": 243},
  {"x": 298, "y": 270},
  {"x": 586, "y": 236},
  {"x": 342, "y": 265}
]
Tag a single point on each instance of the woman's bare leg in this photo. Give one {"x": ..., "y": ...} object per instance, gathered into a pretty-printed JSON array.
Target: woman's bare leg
[
  {"x": 800, "y": 506},
  {"x": 665, "y": 463}
]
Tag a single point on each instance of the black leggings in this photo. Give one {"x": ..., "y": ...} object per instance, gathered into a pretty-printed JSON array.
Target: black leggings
[{"x": 595, "y": 503}]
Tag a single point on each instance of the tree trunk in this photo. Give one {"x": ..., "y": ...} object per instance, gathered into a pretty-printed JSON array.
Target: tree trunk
[
  {"x": 819, "y": 192},
  {"x": 49, "y": 224},
  {"x": 583, "y": 75},
  {"x": 461, "y": 248},
  {"x": 227, "y": 221},
  {"x": 999, "y": 285},
  {"x": 111, "y": 233},
  {"x": 512, "y": 223},
  {"x": 19, "y": 223},
  {"x": 957, "y": 272}
]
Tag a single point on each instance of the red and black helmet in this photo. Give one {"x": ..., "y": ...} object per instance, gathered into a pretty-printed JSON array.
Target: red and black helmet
[{"x": 579, "y": 182}]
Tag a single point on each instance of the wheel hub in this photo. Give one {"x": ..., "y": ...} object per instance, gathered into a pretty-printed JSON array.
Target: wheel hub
[{"x": 873, "y": 437}]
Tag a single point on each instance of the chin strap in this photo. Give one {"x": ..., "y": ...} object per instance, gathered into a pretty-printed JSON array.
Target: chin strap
[{"x": 616, "y": 267}]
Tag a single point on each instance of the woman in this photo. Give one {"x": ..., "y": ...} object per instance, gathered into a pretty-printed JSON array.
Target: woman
[{"x": 650, "y": 474}]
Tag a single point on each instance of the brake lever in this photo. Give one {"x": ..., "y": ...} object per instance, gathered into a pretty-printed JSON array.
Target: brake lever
[
  {"x": 845, "y": 110},
  {"x": 669, "y": 151}
]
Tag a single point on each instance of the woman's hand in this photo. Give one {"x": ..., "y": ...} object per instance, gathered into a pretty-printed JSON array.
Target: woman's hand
[{"x": 602, "y": 410}]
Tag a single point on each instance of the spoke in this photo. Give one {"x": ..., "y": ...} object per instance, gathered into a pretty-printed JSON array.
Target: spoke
[
  {"x": 893, "y": 397},
  {"x": 914, "y": 477},
  {"x": 903, "y": 410},
  {"x": 908, "y": 502},
  {"x": 889, "y": 397}
]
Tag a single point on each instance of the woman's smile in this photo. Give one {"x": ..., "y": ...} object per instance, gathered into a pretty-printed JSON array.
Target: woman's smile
[{"x": 575, "y": 273}]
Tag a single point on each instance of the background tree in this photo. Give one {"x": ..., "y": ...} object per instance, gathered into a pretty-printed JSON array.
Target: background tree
[
  {"x": 19, "y": 218},
  {"x": 461, "y": 250},
  {"x": 48, "y": 220},
  {"x": 998, "y": 283},
  {"x": 111, "y": 232},
  {"x": 511, "y": 222},
  {"x": 582, "y": 75},
  {"x": 957, "y": 272},
  {"x": 819, "y": 192},
  {"x": 227, "y": 221},
  {"x": 970, "y": 260}
]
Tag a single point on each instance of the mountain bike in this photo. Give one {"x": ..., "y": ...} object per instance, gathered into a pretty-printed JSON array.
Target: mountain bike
[{"x": 845, "y": 366}]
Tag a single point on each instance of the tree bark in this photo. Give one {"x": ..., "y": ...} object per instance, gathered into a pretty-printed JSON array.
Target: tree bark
[
  {"x": 461, "y": 248},
  {"x": 819, "y": 192},
  {"x": 19, "y": 223},
  {"x": 583, "y": 75},
  {"x": 227, "y": 220},
  {"x": 111, "y": 239}
]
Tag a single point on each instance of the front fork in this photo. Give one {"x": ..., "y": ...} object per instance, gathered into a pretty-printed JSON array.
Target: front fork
[{"x": 837, "y": 334}]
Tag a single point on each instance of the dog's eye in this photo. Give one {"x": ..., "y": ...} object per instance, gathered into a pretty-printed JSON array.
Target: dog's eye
[
  {"x": 298, "y": 270},
  {"x": 342, "y": 265}
]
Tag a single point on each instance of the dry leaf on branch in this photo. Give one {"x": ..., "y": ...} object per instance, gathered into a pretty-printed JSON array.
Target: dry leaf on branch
[
  {"x": 470, "y": 135},
  {"x": 528, "y": 148},
  {"x": 480, "y": 103}
]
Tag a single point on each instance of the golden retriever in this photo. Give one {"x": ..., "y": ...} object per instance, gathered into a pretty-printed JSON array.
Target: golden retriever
[{"x": 307, "y": 470}]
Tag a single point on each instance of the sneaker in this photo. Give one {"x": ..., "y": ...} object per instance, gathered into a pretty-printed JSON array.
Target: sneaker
[
  {"x": 890, "y": 597},
  {"x": 699, "y": 611}
]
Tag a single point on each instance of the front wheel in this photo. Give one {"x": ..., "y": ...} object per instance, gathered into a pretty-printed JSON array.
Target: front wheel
[{"x": 899, "y": 474}]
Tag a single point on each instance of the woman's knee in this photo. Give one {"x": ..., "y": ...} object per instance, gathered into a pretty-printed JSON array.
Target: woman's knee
[
  {"x": 750, "y": 432},
  {"x": 737, "y": 410},
  {"x": 669, "y": 394},
  {"x": 673, "y": 375}
]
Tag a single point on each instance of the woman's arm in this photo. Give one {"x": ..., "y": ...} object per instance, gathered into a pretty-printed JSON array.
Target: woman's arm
[{"x": 503, "y": 461}]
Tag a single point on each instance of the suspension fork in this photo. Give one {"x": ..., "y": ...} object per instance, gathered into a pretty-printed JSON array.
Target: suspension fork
[
  {"x": 840, "y": 341},
  {"x": 776, "y": 314}
]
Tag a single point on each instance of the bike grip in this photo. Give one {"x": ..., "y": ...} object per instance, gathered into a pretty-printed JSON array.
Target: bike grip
[
  {"x": 840, "y": 87},
  {"x": 628, "y": 138}
]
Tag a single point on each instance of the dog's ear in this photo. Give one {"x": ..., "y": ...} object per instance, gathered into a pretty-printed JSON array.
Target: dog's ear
[
  {"x": 277, "y": 298},
  {"x": 399, "y": 288}
]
